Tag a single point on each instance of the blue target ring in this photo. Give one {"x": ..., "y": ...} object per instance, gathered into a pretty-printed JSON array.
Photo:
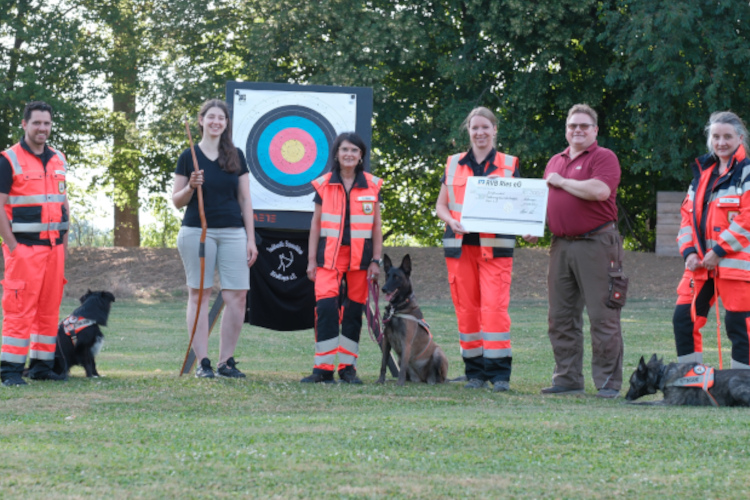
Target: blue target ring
[{"x": 288, "y": 148}]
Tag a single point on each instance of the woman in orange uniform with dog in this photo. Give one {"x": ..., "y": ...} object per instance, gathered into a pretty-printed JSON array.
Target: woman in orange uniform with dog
[
  {"x": 479, "y": 264},
  {"x": 714, "y": 240},
  {"x": 230, "y": 238},
  {"x": 346, "y": 240}
]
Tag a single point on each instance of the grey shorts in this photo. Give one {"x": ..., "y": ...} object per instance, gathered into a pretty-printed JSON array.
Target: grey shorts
[{"x": 226, "y": 250}]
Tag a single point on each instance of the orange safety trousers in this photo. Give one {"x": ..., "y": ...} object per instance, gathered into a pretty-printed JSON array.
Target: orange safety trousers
[
  {"x": 329, "y": 313},
  {"x": 32, "y": 292},
  {"x": 480, "y": 289},
  {"x": 695, "y": 297}
]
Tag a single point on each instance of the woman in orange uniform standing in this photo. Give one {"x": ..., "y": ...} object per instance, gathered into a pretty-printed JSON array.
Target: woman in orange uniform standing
[
  {"x": 479, "y": 264},
  {"x": 346, "y": 240},
  {"x": 714, "y": 240}
]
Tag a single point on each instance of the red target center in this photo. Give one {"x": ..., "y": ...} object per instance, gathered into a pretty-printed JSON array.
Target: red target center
[{"x": 292, "y": 150}]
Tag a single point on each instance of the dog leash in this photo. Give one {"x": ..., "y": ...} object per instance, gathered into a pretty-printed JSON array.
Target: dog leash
[
  {"x": 718, "y": 321},
  {"x": 372, "y": 312}
]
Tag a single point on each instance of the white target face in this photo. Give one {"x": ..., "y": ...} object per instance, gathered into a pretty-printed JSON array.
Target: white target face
[{"x": 286, "y": 137}]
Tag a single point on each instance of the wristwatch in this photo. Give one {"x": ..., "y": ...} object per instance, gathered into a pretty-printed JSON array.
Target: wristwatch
[{"x": 377, "y": 261}]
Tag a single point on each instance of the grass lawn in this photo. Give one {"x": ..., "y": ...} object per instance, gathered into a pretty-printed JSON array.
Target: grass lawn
[{"x": 140, "y": 431}]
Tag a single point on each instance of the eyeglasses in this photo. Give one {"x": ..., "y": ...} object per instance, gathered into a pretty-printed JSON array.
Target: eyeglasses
[{"x": 583, "y": 126}]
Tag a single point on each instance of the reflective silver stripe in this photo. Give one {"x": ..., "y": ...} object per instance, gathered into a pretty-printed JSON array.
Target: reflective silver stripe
[
  {"x": 470, "y": 337},
  {"x": 361, "y": 234},
  {"x": 506, "y": 173},
  {"x": 15, "y": 341},
  {"x": 450, "y": 172},
  {"x": 736, "y": 228},
  {"x": 451, "y": 243},
  {"x": 496, "y": 337},
  {"x": 347, "y": 359},
  {"x": 362, "y": 219},
  {"x": 731, "y": 240},
  {"x": 509, "y": 160},
  {"x": 710, "y": 243},
  {"x": 324, "y": 359},
  {"x": 327, "y": 345},
  {"x": 14, "y": 358},
  {"x": 376, "y": 179},
  {"x": 696, "y": 357},
  {"x": 37, "y": 227},
  {"x": 14, "y": 161},
  {"x": 330, "y": 218},
  {"x": 497, "y": 353},
  {"x": 684, "y": 239},
  {"x": 727, "y": 191},
  {"x": 61, "y": 158},
  {"x": 55, "y": 198},
  {"x": 60, "y": 172},
  {"x": 349, "y": 345},
  {"x": 43, "y": 355},
  {"x": 736, "y": 365},
  {"x": 497, "y": 242},
  {"x": 455, "y": 207},
  {"x": 691, "y": 194},
  {"x": 727, "y": 263},
  {"x": 43, "y": 339},
  {"x": 326, "y": 232},
  {"x": 472, "y": 353},
  {"x": 685, "y": 230},
  {"x": 27, "y": 200}
]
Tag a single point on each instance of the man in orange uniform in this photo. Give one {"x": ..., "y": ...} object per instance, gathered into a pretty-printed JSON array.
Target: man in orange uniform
[{"x": 33, "y": 225}]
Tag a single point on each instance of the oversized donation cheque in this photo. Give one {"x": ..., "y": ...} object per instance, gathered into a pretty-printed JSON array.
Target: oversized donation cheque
[{"x": 505, "y": 205}]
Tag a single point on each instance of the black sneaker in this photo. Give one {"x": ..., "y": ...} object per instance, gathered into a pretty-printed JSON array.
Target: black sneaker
[
  {"x": 14, "y": 379},
  {"x": 349, "y": 376},
  {"x": 204, "y": 369},
  {"x": 229, "y": 369},
  {"x": 318, "y": 378},
  {"x": 475, "y": 383}
]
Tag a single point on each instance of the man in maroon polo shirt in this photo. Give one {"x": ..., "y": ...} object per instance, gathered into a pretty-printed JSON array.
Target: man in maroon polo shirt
[{"x": 585, "y": 256}]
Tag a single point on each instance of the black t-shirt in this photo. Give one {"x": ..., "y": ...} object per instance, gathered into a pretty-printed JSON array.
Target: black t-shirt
[{"x": 220, "y": 190}]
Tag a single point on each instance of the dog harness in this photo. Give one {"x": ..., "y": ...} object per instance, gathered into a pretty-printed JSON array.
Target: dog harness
[
  {"x": 701, "y": 376},
  {"x": 72, "y": 325}
]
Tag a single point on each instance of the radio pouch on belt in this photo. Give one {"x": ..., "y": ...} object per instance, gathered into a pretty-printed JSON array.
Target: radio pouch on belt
[{"x": 618, "y": 289}]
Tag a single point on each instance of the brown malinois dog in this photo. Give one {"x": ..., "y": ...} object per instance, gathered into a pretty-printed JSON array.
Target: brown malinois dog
[{"x": 405, "y": 330}]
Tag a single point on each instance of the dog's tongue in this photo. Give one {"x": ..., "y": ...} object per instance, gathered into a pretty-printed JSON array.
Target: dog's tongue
[{"x": 389, "y": 296}]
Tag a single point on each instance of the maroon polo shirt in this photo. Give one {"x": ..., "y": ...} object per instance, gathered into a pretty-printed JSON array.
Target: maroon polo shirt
[{"x": 568, "y": 215}]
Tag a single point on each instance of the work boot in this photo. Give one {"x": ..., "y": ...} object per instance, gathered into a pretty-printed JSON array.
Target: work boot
[
  {"x": 319, "y": 377},
  {"x": 10, "y": 373},
  {"x": 348, "y": 375},
  {"x": 43, "y": 370}
]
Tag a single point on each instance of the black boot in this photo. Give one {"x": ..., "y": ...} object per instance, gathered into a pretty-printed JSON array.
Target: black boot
[
  {"x": 10, "y": 373},
  {"x": 42, "y": 370}
]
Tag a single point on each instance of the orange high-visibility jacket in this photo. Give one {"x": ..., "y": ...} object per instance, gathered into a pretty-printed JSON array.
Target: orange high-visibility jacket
[
  {"x": 36, "y": 202},
  {"x": 363, "y": 198},
  {"x": 724, "y": 226},
  {"x": 456, "y": 175}
]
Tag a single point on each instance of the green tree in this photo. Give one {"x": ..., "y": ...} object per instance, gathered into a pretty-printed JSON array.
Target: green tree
[{"x": 44, "y": 54}]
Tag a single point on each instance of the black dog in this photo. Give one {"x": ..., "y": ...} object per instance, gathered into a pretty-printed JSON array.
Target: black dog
[
  {"x": 421, "y": 359},
  {"x": 689, "y": 384},
  {"x": 79, "y": 338}
]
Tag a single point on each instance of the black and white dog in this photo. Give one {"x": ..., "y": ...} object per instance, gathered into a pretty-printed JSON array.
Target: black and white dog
[{"x": 79, "y": 338}]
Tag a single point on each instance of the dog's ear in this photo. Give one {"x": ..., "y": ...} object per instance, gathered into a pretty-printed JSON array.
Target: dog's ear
[
  {"x": 387, "y": 264},
  {"x": 653, "y": 359},
  {"x": 642, "y": 365},
  {"x": 406, "y": 265}
]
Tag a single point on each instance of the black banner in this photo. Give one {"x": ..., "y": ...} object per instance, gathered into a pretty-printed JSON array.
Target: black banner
[{"x": 281, "y": 297}]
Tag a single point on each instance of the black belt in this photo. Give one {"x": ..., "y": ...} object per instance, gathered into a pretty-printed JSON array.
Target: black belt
[{"x": 605, "y": 227}]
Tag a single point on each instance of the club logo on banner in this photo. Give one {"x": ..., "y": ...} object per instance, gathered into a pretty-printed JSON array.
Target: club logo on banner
[{"x": 286, "y": 252}]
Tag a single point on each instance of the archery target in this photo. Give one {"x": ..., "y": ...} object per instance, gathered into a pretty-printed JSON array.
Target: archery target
[
  {"x": 286, "y": 137},
  {"x": 288, "y": 148}
]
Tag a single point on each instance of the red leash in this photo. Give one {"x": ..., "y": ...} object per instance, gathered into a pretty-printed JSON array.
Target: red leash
[
  {"x": 718, "y": 322},
  {"x": 372, "y": 312}
]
